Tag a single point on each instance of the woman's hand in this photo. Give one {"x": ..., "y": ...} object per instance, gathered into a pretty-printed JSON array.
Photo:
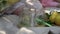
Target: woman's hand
[{"x": 57, "y": 1}]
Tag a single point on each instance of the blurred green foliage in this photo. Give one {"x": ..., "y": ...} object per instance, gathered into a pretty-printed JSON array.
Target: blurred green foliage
[{"x": 2, "y": 4}]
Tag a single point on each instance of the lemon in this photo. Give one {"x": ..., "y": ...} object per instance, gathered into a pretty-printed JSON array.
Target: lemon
[
  {"x": 53, "y": 16},
  {"x": 57, "y": 20}
]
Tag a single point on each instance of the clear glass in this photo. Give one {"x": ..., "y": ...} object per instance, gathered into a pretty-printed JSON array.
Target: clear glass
[{"x": 27, "y": 17}]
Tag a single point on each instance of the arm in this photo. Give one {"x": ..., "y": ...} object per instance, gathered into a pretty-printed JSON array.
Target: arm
[
  {"x": 49, "y": 3},
  {"x": 53, "y": 4}
]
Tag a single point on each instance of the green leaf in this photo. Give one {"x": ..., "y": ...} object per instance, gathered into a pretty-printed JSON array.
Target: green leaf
[{"x": 43, "y": 22}]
